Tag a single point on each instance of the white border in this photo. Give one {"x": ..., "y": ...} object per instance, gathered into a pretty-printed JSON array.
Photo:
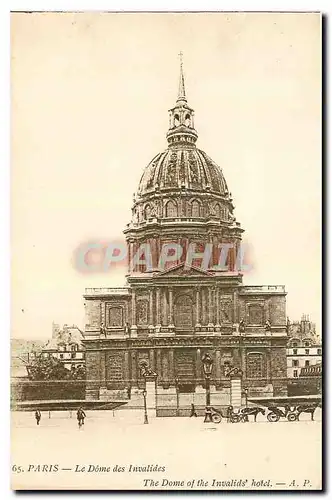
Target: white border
[{"x": 70, "y": 5}]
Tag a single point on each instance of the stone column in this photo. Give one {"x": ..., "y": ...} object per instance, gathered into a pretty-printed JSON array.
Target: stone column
[
  {"x": 268, "y": 364},
  {"x": 203, "y": 293},
  {"x": 158, "y": 320},
  {"x": 235, "y": 318},
  {"x": 210, "y": 325},
  {"x": 164, "y": 314},
  {"x": 159, "y": 366},
  {"x": 218, "y": 365},
  {"x": 133, "y": 369},
  {"x": 102, "y": 371},
  {"x": 199, "y": 372},
  {"x": 171, "y": 364},
  {"x": 153, "y": 250},
  {"x": 133, "y": 313},
  {"x": 151, "y": 322},
  {"x": 170, "y": 319},
  {"x": 151, "y": 359},
  {"x": 217, "y": 304},
  {"x": 198, "y": 309},
  {"x": 103, "y": 395},
  {"x": 243, "y": 362},
  {"x": 126, "y": 368}
]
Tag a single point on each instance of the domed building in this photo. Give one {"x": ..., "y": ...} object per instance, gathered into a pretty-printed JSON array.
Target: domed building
[{"x": 184, "y": 296}]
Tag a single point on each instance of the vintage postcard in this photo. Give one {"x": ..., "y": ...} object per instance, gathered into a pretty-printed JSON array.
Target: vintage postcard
[{"x": 166, "y": 251}]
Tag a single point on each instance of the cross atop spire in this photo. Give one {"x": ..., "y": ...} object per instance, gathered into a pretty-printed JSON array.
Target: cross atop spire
[{"x": 182, "y": 90}]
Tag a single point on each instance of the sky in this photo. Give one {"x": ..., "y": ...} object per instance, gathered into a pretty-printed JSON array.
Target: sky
[{"x": 90, "y": 94}]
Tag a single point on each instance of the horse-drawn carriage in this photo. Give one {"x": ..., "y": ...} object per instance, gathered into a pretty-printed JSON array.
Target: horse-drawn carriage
[
  {"x": 234, "y": 416},
  {"x": 289, "y": 408}
]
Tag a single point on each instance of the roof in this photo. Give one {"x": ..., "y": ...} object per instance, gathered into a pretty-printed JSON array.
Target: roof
[
  {"x": 182, "y": 167},
  {"x": 66, "y": 336}
]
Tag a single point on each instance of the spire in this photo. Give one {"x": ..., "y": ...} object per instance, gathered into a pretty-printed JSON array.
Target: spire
[
  {"x": 181, "y": 117},
  {"x": 182, "y": 90}
]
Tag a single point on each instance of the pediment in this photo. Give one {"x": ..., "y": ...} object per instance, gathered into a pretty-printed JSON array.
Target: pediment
[{"x": 184, "y": 271}]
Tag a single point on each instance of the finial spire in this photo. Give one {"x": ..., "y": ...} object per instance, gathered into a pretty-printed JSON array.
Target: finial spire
[{"x": 182, "y": 90}]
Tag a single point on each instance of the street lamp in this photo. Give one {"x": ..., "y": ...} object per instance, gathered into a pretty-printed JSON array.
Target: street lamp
[
  {"x": 146, "y": 421},
  {"x": 207, "y": 368},
  {"x": 146, "y": 372}
]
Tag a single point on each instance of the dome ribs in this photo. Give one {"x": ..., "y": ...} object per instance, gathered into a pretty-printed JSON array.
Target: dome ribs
[
  {"x": 205, "y": 180},
  {"x": 159, "y": 181}
]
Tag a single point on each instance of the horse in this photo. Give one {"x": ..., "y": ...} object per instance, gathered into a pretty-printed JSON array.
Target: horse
[
  {"x": 306, "y": 409},
  {"x": 254, "y": 410}
]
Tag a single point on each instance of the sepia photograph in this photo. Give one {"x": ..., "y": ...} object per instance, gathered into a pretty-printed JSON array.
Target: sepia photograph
[{"x": 166, "y": 251}]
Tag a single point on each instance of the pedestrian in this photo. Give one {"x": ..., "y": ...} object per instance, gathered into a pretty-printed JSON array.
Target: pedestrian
[
  {"x": 193, "y": 411},
  {"x": 37, "y": 416},
  {"x": 80, "y": 416}
]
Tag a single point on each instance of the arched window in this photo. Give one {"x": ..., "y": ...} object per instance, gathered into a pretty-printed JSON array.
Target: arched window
[
  {"x": 147, "y": 212},
  {"x": 255, "y": 365},
  {"x": 217, "y": 210},
  {"x": 74, "y": 347},
  {"x": 171, "y": 210},
  {"x": 187, "y": 120},
  {"x": 176, "y": 120},
  {"x": 195, "y": 209}
]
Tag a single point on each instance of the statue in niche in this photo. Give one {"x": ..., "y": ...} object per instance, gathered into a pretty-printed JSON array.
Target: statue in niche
[
  {"x": 102, "y": 329},
  {"x": 242, "y": 326},
  {"x": 267, "y": 326},
  {"x": 145, "y": 370}
]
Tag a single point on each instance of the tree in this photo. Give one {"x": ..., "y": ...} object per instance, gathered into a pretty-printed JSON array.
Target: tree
[
  {"x": 48, "y": 368},
  {"x": 78, "y": 373}
]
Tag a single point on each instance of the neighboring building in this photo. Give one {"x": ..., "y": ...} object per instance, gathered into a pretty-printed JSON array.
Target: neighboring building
[
  {"x": 303, "y": 348},
  {"x": 302, "y": 357},
  {"x": 172, "y": 317},
  {"x": 302, "y": 330},
  {"x": 66, "y": 345}
]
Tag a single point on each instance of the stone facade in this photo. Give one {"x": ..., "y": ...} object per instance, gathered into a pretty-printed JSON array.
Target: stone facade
[{"x": 176, "y": 307}]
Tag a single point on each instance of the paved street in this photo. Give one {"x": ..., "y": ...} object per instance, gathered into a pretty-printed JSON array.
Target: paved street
[{"x": 187, "y": 449}]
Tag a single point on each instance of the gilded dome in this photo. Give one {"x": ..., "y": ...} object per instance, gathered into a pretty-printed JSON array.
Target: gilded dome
[
  {"x": 182, "y": 182},
  {"x": 182, "y": 166}
]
